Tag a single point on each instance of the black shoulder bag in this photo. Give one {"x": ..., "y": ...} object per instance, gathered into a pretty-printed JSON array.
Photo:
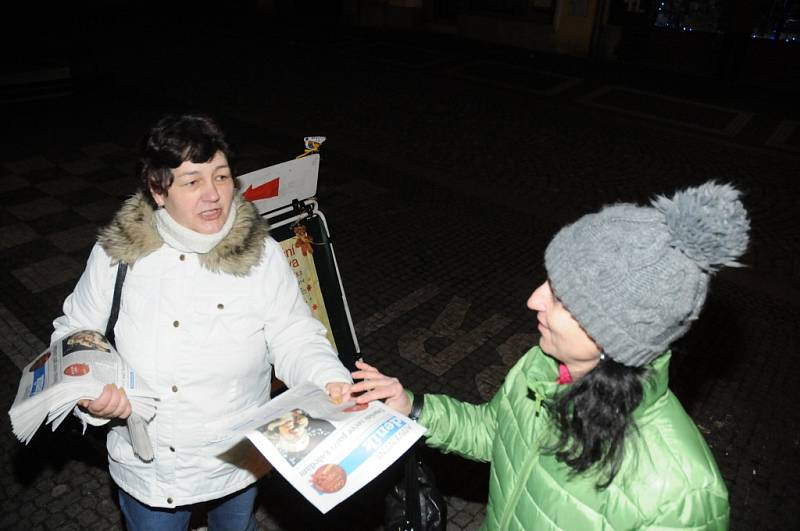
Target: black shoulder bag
[{"x": 415, "y": 503}]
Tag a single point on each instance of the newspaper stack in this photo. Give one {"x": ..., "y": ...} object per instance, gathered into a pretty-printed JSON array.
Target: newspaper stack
[
  {"x": 326, "y": 451},
  {"x": 73, "y": 368}
]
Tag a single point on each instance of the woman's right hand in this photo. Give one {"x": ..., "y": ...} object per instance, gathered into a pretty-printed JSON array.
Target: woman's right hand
[
  {"x": 112, "y": 403},
  {"x": 377, "y": 386}
]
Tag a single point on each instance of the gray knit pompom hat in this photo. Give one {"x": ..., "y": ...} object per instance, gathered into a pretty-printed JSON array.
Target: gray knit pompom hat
[{"x": 635, "y": 277}]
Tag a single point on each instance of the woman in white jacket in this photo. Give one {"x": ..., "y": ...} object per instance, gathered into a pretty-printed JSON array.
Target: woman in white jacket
[{"x": 209, "y": 307}]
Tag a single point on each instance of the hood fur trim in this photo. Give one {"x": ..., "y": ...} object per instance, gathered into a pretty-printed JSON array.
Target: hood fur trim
[{"x": 132, "y": 235}]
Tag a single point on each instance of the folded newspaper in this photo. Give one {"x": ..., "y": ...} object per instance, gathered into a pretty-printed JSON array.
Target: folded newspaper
[
  {"x": 73, "y": 368},
  {"x": 326, "y": 451}
]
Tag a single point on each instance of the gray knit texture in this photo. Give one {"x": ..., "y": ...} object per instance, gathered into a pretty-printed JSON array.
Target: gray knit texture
[{"x": 635, "y": 277}]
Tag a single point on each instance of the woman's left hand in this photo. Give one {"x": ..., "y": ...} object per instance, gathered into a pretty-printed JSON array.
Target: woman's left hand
[{"x": 112, "y": 403}]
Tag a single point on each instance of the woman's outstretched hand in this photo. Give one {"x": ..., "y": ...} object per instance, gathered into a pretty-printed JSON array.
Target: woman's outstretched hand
[
  {"x": 112, "y": 403},
  {"x": 377, "y": 386},
  {"x": 339, "y": 392}
]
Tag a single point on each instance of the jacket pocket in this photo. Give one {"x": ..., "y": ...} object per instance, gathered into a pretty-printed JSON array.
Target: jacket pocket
[{"x": 119, "y": 446}]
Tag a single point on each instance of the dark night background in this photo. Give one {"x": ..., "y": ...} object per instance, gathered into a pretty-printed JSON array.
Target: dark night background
[{"x": 461, "y": 135}]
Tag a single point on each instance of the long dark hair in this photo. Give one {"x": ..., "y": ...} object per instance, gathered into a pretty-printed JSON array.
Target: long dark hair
[{"x": 594, "y": 416}]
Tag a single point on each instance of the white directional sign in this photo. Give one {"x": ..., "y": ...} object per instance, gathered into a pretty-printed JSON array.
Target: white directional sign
[{"x": 277, "y": 186}]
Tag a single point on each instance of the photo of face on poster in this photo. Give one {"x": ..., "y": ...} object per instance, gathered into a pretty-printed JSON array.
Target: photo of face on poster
[
  {"x": 85, "y": 340},
  {"x": 296, "y": 433},
  {"x": 77, "y": 369}
]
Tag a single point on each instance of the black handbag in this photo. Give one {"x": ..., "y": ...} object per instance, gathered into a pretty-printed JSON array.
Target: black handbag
[{"x": 415, "y": 503}]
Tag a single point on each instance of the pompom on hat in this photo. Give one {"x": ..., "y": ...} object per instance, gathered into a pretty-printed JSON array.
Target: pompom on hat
[{"x": 635, "y": 277}]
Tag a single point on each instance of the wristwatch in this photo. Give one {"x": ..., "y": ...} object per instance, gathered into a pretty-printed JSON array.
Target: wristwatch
[{"x": 416, "y": 406}]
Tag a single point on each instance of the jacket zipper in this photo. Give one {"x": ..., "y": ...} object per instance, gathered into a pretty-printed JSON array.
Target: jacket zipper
[{"x": 525, "y": 472}]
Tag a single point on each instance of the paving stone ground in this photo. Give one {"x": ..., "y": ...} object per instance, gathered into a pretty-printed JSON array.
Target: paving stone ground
[{"x": 445, "y": 174}]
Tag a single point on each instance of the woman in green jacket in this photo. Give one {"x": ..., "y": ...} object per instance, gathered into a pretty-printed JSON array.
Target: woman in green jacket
[{"x": 584, "y": 432}]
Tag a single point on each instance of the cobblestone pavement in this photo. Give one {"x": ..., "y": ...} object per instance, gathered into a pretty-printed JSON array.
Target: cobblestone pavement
[{"x": 449, "y": 165}]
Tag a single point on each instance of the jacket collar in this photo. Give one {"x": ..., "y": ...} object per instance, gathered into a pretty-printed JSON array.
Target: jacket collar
[
  {"x": 542, "y": 374},
  {"x": 132, "y": 235}
]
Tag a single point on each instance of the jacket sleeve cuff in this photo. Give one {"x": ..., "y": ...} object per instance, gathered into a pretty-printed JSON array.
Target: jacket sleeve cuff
[{"x": 331, "y": 375}]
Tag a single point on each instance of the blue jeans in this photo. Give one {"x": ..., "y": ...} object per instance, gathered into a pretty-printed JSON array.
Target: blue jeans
[{"x": 234, "y": 512}]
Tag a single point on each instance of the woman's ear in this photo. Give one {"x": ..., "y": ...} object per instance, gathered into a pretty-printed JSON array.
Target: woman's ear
[{"x": 158, "y": 198}]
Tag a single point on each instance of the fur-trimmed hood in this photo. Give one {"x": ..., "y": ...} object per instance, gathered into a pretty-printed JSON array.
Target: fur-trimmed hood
[{"x": 132, "y": 235}]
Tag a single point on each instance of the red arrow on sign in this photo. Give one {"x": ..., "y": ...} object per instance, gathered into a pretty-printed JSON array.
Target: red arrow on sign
[{"x": 262, "y": 191}]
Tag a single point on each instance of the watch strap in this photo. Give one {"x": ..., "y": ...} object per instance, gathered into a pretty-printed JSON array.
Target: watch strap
[{"x": 416, "y": 406}]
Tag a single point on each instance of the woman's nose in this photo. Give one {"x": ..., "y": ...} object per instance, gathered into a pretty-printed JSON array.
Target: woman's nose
[
  {"x": 211, "y": 193},
  {"x": 538, "y": 298}
]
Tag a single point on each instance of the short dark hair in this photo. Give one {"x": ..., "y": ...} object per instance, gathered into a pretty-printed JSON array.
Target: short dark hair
[{"x": 173, "y": 140}]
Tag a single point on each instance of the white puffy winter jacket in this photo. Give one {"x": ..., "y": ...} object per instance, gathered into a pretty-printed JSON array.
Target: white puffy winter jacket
[{"x": 206, "y": 343}]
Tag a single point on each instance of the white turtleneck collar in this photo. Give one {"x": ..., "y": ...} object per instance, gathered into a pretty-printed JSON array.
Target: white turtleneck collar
[{"x": 186, "y": 240}]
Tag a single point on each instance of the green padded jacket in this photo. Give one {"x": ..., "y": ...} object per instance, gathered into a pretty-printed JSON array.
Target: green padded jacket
[{"x": 668, "y": 478}]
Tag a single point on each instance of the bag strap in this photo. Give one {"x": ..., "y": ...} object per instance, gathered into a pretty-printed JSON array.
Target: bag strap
[
  {"x": 122, "y": 269},
  {"x": 413, "y": 508}
]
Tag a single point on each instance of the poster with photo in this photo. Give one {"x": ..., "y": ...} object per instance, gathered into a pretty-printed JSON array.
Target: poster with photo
[{"x": 299, "y": 252}]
